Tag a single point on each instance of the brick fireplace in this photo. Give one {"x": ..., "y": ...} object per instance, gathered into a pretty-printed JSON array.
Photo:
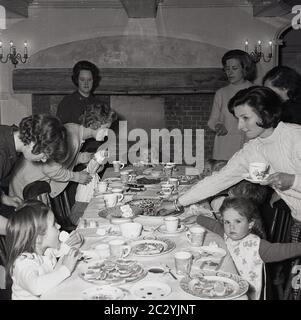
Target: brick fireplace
[{"x": 185, "y": 95}]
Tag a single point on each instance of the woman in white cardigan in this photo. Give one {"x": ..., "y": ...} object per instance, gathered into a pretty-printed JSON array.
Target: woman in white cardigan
[{"x": 276, "y": 143}]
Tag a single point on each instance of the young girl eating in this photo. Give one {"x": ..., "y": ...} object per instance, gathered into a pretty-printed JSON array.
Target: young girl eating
[
  {"x": 30, "y": 232},
  {"x": 247, "y": 250}
]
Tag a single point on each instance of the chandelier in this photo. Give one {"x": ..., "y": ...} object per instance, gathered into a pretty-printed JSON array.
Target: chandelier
[
  {"x": 258, "y": 54},
  {"x": 13, "y": 56}
]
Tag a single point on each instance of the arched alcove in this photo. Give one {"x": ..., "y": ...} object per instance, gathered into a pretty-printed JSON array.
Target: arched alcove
[{"x": 130, "y": 51}]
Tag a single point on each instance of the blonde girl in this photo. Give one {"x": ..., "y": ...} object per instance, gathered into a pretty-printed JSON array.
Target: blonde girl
[{"x": 30, "y": 232}]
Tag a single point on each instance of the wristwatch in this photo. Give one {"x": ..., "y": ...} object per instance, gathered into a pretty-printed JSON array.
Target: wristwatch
[{"x": 177, "y": 205}]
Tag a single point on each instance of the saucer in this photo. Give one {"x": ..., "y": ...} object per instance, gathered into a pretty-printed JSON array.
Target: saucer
[
  {"x": 166, "y": 195},
  {"x": 151, "y": 290},
  {"x": 162, "y": 229},
  {"x": 248, "y": 178}
]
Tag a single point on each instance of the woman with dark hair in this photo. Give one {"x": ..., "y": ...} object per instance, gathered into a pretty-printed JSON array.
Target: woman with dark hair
[
  {"x": 240, "y": 71},
  {"x": 86, "y": 78},
  {"x": 286, "y": 82},
  {"x": 273, "y": 142}
]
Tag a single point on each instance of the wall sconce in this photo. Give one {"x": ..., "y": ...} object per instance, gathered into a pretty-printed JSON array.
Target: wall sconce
[
  {"x": 257, "y": 54},
  {"x": 13, "y": 56}
]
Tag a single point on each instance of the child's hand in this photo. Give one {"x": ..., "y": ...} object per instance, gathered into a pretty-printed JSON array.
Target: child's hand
[
  {"x": 75, "y": 239},
  {"x": 70, "y": 260},
  {"x": 84, "y": 177}
]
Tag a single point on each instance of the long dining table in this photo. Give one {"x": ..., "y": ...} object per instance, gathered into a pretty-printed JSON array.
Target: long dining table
[{"x": 74, "y": 286}]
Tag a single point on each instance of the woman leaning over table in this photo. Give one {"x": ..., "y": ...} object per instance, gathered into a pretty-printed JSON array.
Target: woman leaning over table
[{"x": 274, "y": 142}]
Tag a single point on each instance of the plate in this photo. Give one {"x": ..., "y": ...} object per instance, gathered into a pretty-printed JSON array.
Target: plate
[
  {"x": 147, "y": 181},
  {"x": 147, "y": 207},
  {"x": 103, "y": 272},
  {"x": 152, "y": 247},
  {"x": 116, "y": 212},
  {"x": 215, "y": 285},
  {"x": 162, "y": 229},
  {"x": 112, "y": 179},
  {"x": 211, "y": 252},
  {"x": 105, "y": 292},
  {"x": 101, "y": 231},
  {"x": 150, "y": 290},
  {"x": 248, "y": 178}
]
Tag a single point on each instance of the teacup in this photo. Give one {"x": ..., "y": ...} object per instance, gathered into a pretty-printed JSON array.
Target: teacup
[
  {"x": 102, "y": 186},
  {"x": 118, "y": 165},
  {"x": 103, "y": 250},
  {"x": 196, "y": 235},
  {"x": 171, "y": 224},
  {"x": 125, "y": 176},
  {"x": 170, "y": 164},
  {"x": 167, "y": 189},
  {"x": 258, "y": 170},
  {"x": 131, "y": 230},
  {"x": 119, "y": 249},
  {"x": 112, "y": 199},
  {"x": 175, "y": 182}
]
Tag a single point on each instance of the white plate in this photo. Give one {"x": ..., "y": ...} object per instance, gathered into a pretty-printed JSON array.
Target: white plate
[
  {"x": 162, "y": 229},
  {"x": 105, "y": 292},
  {"x": 150, "y": 290},
  {"x": 203, "y": 284},
  {"x": 211, "y": 252},
  {"x": 104, "y": 272},
  {"x": 152, "y": 247}
]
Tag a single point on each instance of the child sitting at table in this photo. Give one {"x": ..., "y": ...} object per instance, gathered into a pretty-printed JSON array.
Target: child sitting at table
[
  {"x": 247, "y": 250},
  {"x": 249, "y": 190},
  {"x": 33, "y": 268}
]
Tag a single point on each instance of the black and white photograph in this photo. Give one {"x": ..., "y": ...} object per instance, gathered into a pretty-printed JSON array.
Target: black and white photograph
[{"x": 150, "y": 152}]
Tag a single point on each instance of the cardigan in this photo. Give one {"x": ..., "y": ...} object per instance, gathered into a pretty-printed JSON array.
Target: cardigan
[
  {"x": 225, "y": 146},
  {"x": 281, "y": 151}
]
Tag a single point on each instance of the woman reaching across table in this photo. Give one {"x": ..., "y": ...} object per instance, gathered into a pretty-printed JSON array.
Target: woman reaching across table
[{"x": 273, "y": 142}]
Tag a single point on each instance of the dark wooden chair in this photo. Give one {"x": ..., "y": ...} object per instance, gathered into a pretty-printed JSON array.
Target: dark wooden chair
[
  {"x": 60, "y": 206},
  {"x": 278, "y": 223}
]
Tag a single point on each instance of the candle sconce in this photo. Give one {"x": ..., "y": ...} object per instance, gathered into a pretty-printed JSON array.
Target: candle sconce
[
  {"x": 258, "y": 54},
  {"x": 13, "y": 56}
]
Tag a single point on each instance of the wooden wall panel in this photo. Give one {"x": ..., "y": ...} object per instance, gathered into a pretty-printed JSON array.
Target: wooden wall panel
[{"x": 123, "y": 80}]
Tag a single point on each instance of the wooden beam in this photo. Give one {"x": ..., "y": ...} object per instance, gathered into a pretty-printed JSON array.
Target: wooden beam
[
  {"x": 140, "y": 8},
  {"x": 19, "y": 7},
  {"x": 123, "y": 80}
]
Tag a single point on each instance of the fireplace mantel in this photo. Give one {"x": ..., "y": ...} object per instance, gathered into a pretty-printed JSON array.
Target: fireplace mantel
[{"x": 123, "y": 80}]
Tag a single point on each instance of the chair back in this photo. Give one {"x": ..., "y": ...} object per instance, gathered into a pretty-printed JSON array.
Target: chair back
[{"x": 59, "y": 205}]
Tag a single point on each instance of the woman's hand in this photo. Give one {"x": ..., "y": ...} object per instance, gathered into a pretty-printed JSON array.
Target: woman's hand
[
  {"x": 84, "y": 177},
  {"x": 280, "y": 180},
  {"x": 220, "y": 129},
  {"x": 166, "y": 208},
  {"x": 75, "y": 239},
  {"x": 11, "y": 201}
]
